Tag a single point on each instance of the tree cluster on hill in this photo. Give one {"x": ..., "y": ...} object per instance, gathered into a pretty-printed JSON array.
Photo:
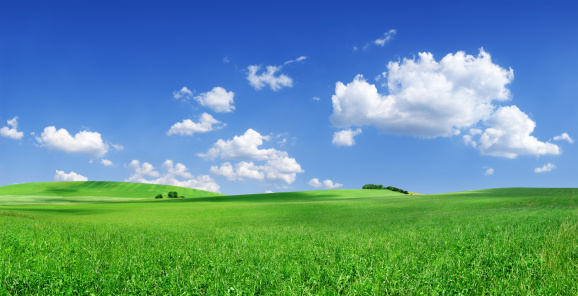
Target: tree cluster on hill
[
  {"x": 373, "y": 186},
  {"x": 172, "y": 194}
]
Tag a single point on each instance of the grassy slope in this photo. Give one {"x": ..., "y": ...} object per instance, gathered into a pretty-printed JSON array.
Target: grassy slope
[
  {"x": 90, "y": 191},
  {"x": 498, "y": 241}
]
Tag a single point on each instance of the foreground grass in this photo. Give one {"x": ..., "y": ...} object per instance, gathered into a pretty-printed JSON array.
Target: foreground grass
[{"x": 502, "y": 241}]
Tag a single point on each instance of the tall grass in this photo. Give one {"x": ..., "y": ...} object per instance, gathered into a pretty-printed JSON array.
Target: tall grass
[{"x": 508, "y": 241}]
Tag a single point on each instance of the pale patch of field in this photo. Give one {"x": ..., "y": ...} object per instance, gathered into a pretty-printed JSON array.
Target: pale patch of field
[{"x": 8, "y": 200}]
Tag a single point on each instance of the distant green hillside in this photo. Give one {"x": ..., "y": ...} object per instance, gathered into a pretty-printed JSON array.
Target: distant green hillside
[{"x": 71, "y": 191}]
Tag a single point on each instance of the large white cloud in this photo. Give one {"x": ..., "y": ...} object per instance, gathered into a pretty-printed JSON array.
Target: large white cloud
[
  {"x": 431, "y": 99},
  {"x": 11, "y": 132},
  {"x": 187, "y": 127},
  {"x": 84, "y": 142},
  {"x": 327, "y": 184},
  {"x": 202, "y": 182},
  {"x": 345, "y": 137},
  {"x": 277, "y": 166},
  {"x": 218, "y": 99},
  {"x": 72, "y": 176},
  {"x": 426, "y": 98},
  {"x": 509, "y": 135}
]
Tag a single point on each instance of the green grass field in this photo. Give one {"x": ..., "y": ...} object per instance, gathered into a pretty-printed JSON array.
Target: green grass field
[{"x": 521, "y": 241}]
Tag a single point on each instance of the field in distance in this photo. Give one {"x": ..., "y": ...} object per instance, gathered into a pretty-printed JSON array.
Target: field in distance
[
  {"x": 89, "y": 191},
  {"x": 494, "y": 241}
]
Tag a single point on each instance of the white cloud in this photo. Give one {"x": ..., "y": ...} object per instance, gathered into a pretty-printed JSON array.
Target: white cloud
[
  {"x": 345, "y": 137},
  {"x": 327, "y": 184},
  {"x": 431, "y": 99},
  {"x": 106, "y": 162},
  {"x": 118, "y": 147},
  {"x": 241, "y": 147},
  {"x": 183, "y": 94},
  {"x": 299, "y": 59},
  {"x": 564, "y": 137},
  {"x": 268, "y": 78},
  {"x": 546, "y": 168},
  {"x": 202, "y": 182},
  {"x": 316, "y": 99},
  {"x": 89, "y": 143},
  {"x": 187, "y": 127},
  {"x": 268, "y": 191},
  {"x": 218, "y": 100},
  {"x": 426, "y": 98},
  {"x": 72, "y": 176},
  {"x": 226, "y": 60},
  {"x": 146, "y": 168},
  {"x": 488, "y": 171},
  {"x": 13, "y": 131},
  {"x": 509, "y": 135},
  {"x": 278, "y": 166},
  {"x": 241, "y": 171},
  {"x": 178, "y": 170},
  {"x": 387, "y": 36}
]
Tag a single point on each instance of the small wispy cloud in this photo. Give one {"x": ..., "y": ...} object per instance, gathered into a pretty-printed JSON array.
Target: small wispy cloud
[{"x": 546, "y": 168}]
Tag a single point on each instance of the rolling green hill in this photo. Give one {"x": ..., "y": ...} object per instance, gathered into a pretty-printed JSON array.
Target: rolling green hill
[
  {"x": 521, "y": 241},
  {"x": 89, "y": 191}
]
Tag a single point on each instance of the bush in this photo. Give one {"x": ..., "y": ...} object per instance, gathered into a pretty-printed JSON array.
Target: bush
[
  {"x": 173, "y": 194},
  {"x": 394, "y": 189},
  {"x": 159, "y": 196}
]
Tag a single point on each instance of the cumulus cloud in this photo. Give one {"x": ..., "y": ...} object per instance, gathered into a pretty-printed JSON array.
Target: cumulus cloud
[
  {"x": 245, "y": 146},
  {"x": 509, "y": 135},
  {"x": 11, "y": 132},
  {"x": 345, "y": 137},
  {"x": 118, "y": 147},
  {"x": 183, "y": 94},
  {"x": 387, "y": 36},
  {"x": 187, "y": 127},
  {"x": 488, "y": 171},
  {"x": 564, "y": 137},
  {"x": 275, "y": 166},
  {"x": 202, "y": 182},
  {"x": 106, "y": 162},
  {"x": 72, "y": 176},
  {"x": 258, "y": 81},
  {"x": 327, "y": 184},
  {"x": 546, "y": 168},
  {"x": 146, "y": 169},
  {"x": 426, "y": 98},
  {"x": 84, "y": 142},
  {"x": 430, "y": 99},
  {"x": 218, "y": 99}
]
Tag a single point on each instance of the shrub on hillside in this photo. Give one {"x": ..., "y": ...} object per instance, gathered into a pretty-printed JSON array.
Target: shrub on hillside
[
  {"x": 159, "y": 196},
  {"x": 391, "y": 188},
  {"x": 173, "y": 194}
]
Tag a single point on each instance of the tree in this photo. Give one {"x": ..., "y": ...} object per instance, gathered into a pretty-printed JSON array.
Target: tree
[
  {"x": 173, "y": 194},
  {"x": 159, "y": 196}
]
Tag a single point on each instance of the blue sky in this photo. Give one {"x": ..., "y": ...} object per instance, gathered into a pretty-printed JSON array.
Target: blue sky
[{"x": 288, "y": 96}]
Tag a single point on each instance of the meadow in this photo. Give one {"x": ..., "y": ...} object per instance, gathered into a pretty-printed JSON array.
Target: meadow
[{"x": 348, "y": 242}]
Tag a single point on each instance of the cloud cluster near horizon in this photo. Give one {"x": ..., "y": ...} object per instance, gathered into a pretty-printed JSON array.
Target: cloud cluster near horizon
[
  {"x": 429, "y": 99},
  {"x": 276, "y": 165},
  {"x": 185, "y": 178}
]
